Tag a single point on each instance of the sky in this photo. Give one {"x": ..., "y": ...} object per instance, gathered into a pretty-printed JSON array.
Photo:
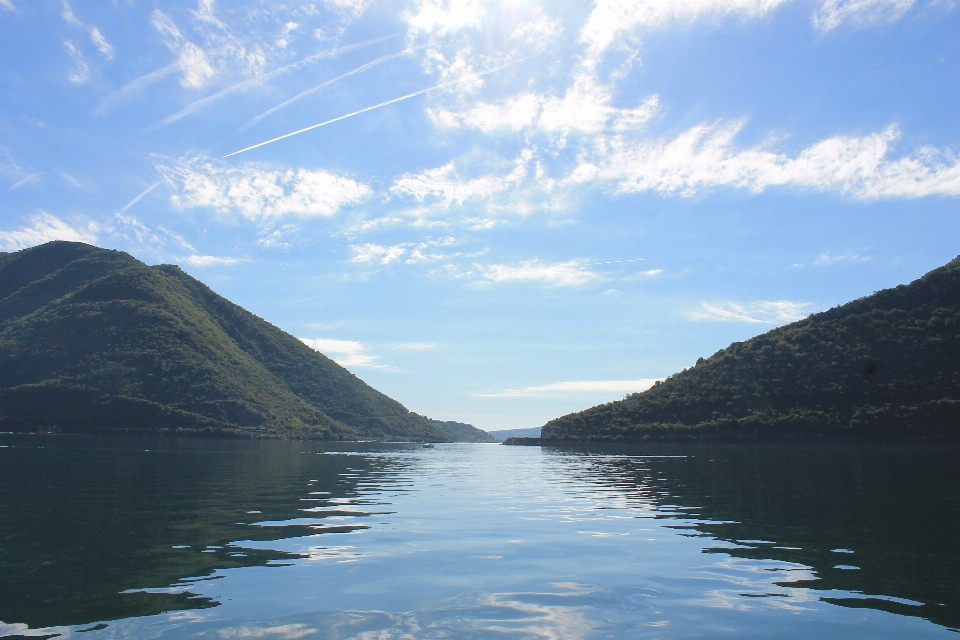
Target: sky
[{"x": 495, "y": 212}]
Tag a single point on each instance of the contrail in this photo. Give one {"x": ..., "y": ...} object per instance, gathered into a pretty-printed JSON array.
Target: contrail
[
  {"x": 134, "y": 86},
  {"x": 137, "y": 199},
  {"x": 202, "y": 102},
  {"x": 20, "y": 183},
  {"x": 371, "y": 108},
  {"x": 323, "y": 84}
]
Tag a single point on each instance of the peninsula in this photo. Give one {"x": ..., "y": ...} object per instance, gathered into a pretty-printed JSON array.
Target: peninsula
[{"x": 883, "y": 368}]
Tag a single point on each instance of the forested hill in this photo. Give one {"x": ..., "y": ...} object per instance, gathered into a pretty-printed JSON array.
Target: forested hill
[
  {"x": 884, "y": 368},
  {"x": 462, "y": 432},
  {"x": 95, "y": 340}
]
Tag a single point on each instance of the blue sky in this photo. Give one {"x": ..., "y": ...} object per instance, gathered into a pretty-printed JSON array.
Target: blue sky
[{"x": 539, "y": 206}]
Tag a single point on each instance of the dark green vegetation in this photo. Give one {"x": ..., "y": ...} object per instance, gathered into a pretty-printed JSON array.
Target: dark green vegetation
[
  {"x": 884, "y": 368},
  {"x": 462, "y": 432},
  {"x": 95, "y": 340}
]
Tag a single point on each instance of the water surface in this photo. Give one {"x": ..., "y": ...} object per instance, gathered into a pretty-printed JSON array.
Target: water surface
[{"x": 168, "y": 538}]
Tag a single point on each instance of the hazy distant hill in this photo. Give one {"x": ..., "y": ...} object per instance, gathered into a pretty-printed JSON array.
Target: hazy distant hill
[
  {"x": 95, "y": 340},
  {"x": 882, "y": 368},
  {"x": 503, "y": 434},
  {"x": 462, "y": 432}
]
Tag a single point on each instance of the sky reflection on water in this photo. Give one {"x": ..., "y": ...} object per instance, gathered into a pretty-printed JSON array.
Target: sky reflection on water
[{"x": 287, "y": 540}]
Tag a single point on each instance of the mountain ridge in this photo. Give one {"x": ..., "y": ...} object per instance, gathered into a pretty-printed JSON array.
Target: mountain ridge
[
  {"x": 93, "y": 339},
  {"x": 882, "y": 368}
]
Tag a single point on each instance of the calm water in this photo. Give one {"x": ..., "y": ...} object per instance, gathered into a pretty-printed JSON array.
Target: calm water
[{"x": 154, "y": 538}]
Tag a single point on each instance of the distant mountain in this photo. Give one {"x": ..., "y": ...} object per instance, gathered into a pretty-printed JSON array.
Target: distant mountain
[
  {"x": 503, "y": 434},
  {"x": 462, "y": 432},
  {"x": 882, "y": 368},
  {"x": 95, "y": 340}
]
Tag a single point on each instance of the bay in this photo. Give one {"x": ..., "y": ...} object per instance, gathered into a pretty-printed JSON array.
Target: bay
[{"x": 129, "y": 537}]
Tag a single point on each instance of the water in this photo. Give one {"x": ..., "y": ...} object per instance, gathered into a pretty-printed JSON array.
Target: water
[{"x": 160, "y": 538}]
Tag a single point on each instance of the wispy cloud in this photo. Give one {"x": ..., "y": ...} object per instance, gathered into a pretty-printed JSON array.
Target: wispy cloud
[
  {"x": 7, "y": 5},
  {"x": 80, "y": 72},
  {"x": 152, "y": 239},
  {"x": 706, "y": 156},
  {"x": 346, "y": 353},
  {"x": 45, "y": 227},
  {"x": 438, "y": 18},
  {"x": 610, "y": 19},
  {"x": 583, "y": 386},
  {"x": 104, "y": 47},
  {"x": 832, "y": 13},
  {"x": 564, "y": 274},
  {"x": 585, "y": 108},
  {"x": 211, "y": 261},
  {"x": 758, "y": 312},
  {"x": 256, "y": 193},
  {"x": 446, "y": 187},
  {"x": 429, "y": 250},
  {"x": 191, "y": 59},
  {"x": 415, "y": 346},
  {"x": 827, "y": 259},
  {"x": 371, "y": 253}
]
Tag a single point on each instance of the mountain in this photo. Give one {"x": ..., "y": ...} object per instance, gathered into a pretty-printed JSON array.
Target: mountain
[
  {"x": 95, "y": 340},
  {"x": 884, "y": 368},
  {"x": 462, "y": 432}
]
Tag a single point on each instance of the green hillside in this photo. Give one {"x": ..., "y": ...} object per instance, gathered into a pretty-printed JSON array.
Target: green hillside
[
  {"x": 882, "y": 368},
  {"x": 95, "y": 340},
  {"x": 462, "y": 432}
]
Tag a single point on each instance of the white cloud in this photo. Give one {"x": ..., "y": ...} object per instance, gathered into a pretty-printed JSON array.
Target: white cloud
[
  {"x": 441, "y": 17},
  {"x": 705, "y": 156},
  {"x": 191, "y": 59},
  {"x": 584, "y": 386},
  {"x": 257, "y": 193},
  {"x": 584, "y": 108},
  {"x": 652, "y": 272},
  {"x": 611, "y": 18},
  {"x": 96, "y": 37},
  {"x": 761, "y": 311},
  {"x": 81, "y": 71},
  {"x": 371, "y": 253},
  {"x": 211, "y": 261},
  {"x": 346, "y": 353},
  {"x": 419, "y": 252},
  {"x": 445, "y": 185},
  {"x": 567, "y": 274},
  {"x": 415, "y": 346},
  {"x": 827, "y": 259},
  {"x": 194, "y": 65},
  {"x": 833, "y": 13},
  {"x": 131, "y": 230},
  {"x": 7, "y": 5},
  {"x": 353, "y": 7},
  {"x": 44, "y": 228},
  {"x": 101, "y": 43}
]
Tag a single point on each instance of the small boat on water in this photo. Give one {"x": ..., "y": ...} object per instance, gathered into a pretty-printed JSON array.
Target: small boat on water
[{"x": 428, "y": 445}]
